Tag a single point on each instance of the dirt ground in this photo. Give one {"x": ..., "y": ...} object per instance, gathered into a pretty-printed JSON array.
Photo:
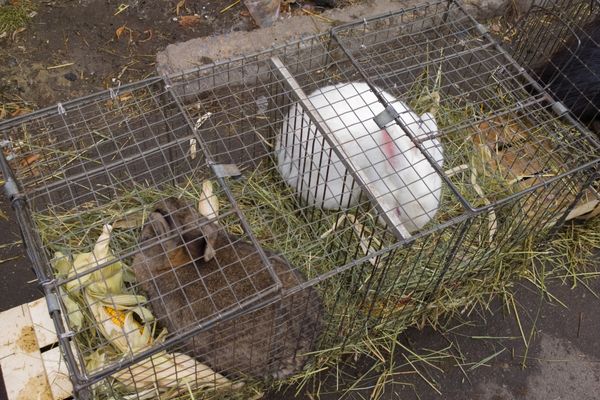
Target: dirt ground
[{"x": 73, "y": 48}]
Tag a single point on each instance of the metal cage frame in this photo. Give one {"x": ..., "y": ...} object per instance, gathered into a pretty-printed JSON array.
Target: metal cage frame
[
  {"x": 289, "y": 69},
  {"x": 567, "y": 26}
]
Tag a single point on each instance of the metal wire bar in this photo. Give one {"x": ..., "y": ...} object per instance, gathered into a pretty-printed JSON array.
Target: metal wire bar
[{"x": 292, "y": 274}]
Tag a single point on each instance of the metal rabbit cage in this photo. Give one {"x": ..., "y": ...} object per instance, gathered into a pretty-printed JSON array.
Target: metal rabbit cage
[{"x": 232, "y": 223}]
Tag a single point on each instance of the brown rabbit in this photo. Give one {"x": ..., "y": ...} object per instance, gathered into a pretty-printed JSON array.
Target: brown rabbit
[{"x": 192, "y": 270}]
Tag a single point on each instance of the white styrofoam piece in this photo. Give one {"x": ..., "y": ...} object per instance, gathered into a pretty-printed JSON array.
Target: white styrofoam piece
[
  {"x": 20, "y": 359},
  {"x": 15, "y": 322},
  {"x": 42, "y": 323},
  {"x": 57, "y": 373}
]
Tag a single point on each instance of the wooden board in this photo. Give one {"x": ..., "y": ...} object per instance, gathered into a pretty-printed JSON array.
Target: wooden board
[
  {"x": 42, "y": 323},
  {"x": 58, "y": 376}
]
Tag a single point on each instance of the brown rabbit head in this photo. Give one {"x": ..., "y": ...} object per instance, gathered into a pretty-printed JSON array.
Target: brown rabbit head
[
  {"x": 180, "y": 233},
  {"x": 187, "y": 284}
]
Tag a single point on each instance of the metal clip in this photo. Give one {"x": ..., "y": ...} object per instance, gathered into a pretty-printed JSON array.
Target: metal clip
[
  {"x": 386, "y": 116},
  {"x": 67, "y": 335},
  {"x": 559, "y": 108},
  {"x": 481, "y": 28},
  {"x": 61, "y": 109},
  {"x": 114, "y": 93},
  {"x": 10, "y": 188},
  {"x": 52, "y": 302},
  {"x": 226, "y": 170}
]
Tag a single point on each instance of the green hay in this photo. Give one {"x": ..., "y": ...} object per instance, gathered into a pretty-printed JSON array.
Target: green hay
[{"x": 14, "y": 16}]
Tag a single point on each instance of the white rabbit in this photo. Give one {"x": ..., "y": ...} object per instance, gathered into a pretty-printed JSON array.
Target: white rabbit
[{"x": 394, "y": 169}]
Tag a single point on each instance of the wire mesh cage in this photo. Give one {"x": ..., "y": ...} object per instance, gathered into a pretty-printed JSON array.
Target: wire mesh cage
[
  {"x": 558, "y": 41},
  {"x": 218, "y": 226}
]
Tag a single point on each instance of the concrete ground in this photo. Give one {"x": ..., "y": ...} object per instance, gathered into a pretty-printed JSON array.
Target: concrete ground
[
  {"x": 553, "y": 354},
  {"x": 551, "y": 351}
]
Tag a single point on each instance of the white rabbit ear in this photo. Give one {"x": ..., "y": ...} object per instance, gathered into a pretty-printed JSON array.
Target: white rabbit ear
[
  {"x": 208, "y": 205},
  {"x": 428, "y": 124}
]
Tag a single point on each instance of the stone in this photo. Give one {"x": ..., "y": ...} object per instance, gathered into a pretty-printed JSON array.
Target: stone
[
  {"x": 70, "y": 76},
  {"x": 183, "y": 56}
]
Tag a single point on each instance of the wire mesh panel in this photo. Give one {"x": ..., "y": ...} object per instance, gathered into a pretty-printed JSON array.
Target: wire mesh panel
[
  {"x": 113, "y": 184},
  {"x": 498, "y": 163},
  {"x": 225, "y": 224},
  {"x": 558, "y": 42}
]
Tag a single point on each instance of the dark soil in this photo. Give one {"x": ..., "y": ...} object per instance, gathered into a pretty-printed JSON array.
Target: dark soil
[
  {"x": 84, "y": 35},
  {"x": 73, "y": 48},
  {"x": 18, "y": 284}
]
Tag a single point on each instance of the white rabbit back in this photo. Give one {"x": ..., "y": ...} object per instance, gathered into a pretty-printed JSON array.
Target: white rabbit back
[
  {"x": 321, "y": 179},
  {"x": 402, "y": 180}
]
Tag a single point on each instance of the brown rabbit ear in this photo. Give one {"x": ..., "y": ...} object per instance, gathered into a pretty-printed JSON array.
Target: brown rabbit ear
[
  {"x": 156, "y": 227},
  {"x": 210, "y": 232},
  {"x": 170, "y": 207},
  {"x": 197, "y": 227}
]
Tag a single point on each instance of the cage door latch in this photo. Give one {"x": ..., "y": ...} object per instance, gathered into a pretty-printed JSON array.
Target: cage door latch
[
  {"x": 226, "y": 170},
  {"x": 386, "y": 116}
]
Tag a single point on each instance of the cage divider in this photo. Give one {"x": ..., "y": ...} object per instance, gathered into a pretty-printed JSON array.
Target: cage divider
[
  {"x": 217, "y": 169},
  {"x": 314, "y": 116}
]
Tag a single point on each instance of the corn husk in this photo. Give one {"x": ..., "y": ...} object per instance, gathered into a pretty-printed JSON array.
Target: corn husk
[
  {"x": 73, "y": 311},
  {"x": 114, "y": 312},
  {"x": 170, "y": 371},
  {"x": 109, "y": 279},
  {"x": 123, "y": 331}
]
